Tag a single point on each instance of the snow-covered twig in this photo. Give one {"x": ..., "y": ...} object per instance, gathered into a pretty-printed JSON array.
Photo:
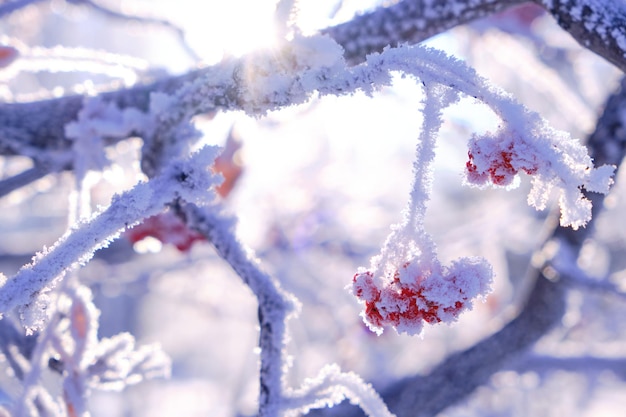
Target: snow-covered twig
[
  {"x": 113, "y": 14},
  {"x": 330, "y": 388},
  {"x": 596, "y": 25},
  {"x": 70, "y": 345},
  {"x": 274, "y": 304},
  {"x": 180, "y": 179}
]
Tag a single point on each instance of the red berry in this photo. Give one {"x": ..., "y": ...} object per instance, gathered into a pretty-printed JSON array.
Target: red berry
[{"x": 167, "y": 228}]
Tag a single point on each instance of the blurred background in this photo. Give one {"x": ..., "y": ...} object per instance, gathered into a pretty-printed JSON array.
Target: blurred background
[{"x": 315, "y": 189}]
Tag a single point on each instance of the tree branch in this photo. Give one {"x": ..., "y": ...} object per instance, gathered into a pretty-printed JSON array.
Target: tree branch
[
  {"x": 115, "y": 15},
  {"x": 22, "y": 179},
  {"x": 274, "y": 304},
  {"x": 30, "y": 128},
  {"x": 409, "y": 21},
  {"x": 580, "y": 364},
  {"x": 596, "y": 25}
]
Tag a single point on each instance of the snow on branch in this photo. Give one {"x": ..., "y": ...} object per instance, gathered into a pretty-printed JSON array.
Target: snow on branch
[
  {"x": 408, "y": 21},
  {"x": 274, "y": 305},
  {"x": 406, "y": 286},
  {"x": 330, "y": 388},
  {"x": 96, "y": 121},
  {"x": 599, "y": 26},
  {"x": 190, "y": 180},
  {"x": 596, "y": 25},
  {"x": 419, "y": 289},
  {"x": 70, "y": 345}
]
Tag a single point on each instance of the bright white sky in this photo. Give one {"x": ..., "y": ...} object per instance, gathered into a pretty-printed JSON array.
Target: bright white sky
[{"x": 235, "y": 27}]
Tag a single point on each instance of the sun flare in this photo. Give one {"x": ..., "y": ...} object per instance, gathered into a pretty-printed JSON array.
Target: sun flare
[{"x": 233, "y": 28}]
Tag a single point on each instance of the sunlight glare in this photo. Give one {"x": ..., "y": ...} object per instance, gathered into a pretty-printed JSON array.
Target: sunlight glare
[{"x": 232, "y": 28}]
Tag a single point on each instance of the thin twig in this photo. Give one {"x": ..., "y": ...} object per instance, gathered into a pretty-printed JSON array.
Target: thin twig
[
  {"x": 10, "y": 184},
  {"x": 180, "y": 33},
  {"x": 274, "y": 304}
]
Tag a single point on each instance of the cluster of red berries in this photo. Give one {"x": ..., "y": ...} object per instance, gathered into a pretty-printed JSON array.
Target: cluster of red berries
[
  {"x": 498, "y": 165},
  {"x": 407, "y": 302}
]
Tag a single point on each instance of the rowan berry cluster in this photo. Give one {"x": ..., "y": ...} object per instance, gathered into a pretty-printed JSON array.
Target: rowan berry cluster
[
  {"x": 492, "y": 158},
  {"x": 413, "y": 294}
]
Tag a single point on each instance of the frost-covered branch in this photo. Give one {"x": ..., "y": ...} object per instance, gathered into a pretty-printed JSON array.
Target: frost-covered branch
[
  {"x": 71, "y": 346},
  {"x": 308, "y": 66},
  {"x": 599, "y": 26},
  {"x": 274, "y": 304},
  {"x": 51, "y": 132},
  {"x": 28, "y": 287},
  {"x": 32, "y": 128},
  {"x": 330, "y": 388},
  {"x": 408, "y": 21}
]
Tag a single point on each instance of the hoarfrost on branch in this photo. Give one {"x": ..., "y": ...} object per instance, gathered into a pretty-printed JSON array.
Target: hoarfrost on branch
[{"x": 405, "y": 285}]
